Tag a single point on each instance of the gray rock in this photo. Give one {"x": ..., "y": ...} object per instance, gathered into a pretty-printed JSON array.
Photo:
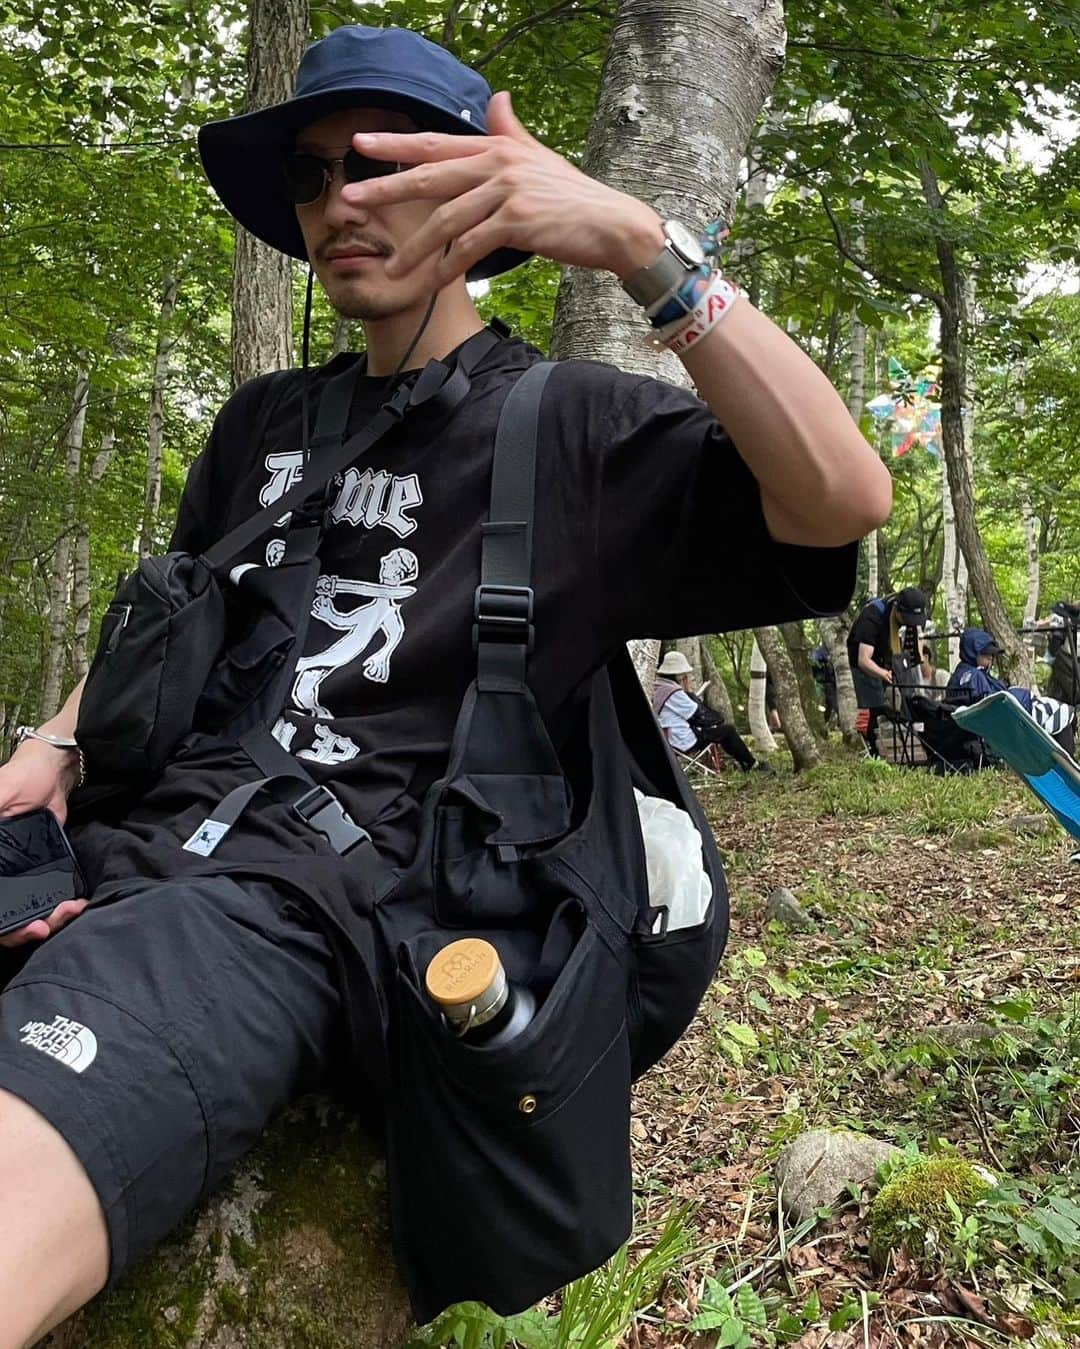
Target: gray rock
[
  {"x": 782, "y": 907},
  {"x": 977, "y": 1036},
  {"x": 817, "y": 1167},
  {"x": 1030, "y": 824}
]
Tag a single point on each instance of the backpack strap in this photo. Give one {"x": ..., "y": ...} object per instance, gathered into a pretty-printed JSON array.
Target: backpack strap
[{"x": 503, "y": 631}]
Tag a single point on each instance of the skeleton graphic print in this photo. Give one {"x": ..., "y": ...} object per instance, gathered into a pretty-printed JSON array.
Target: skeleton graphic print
[{"x": 378, "y": 621}]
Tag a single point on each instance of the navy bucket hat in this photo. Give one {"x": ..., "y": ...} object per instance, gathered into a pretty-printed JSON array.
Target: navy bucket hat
[{"x": 354, "y": 66}]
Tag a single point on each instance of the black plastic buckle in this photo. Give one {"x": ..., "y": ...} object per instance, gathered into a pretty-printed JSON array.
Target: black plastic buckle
[
  {"x": 321, "y": 809},
  {"x": 654, "y": 936},
  {"x": 503, "y": 614},
  {"x": 398, "y": 405}
]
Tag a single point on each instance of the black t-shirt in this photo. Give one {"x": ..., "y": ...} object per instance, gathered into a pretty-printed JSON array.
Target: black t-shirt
[
  {"x": 874, "y": 627},
  {"x": 647, "y": 524}
]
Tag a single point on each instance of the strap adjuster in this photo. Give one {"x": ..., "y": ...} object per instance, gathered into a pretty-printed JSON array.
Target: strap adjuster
[
  {"x": 503, "y": 614},
  {"x": 322, "y": 811}
]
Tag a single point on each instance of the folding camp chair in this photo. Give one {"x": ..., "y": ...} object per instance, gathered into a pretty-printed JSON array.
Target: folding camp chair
[
  {"x": 707, "y": 761},
  {"x": 1051, "y": 773},
  {"x": 949, "y": 747}
]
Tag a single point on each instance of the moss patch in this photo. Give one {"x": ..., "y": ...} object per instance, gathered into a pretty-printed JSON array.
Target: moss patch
[{"x": 911, "y": 1209}]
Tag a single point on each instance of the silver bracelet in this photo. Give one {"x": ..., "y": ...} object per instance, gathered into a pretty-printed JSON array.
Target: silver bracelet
[{"x": 57, "y": 741}]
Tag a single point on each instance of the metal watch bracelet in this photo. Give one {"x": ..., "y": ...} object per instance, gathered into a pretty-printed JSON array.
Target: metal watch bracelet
[{"x": 58, "y": 742}]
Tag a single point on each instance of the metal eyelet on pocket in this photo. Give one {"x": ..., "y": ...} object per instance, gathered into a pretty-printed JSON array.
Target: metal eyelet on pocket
[{"x": 527, "y": 1105}]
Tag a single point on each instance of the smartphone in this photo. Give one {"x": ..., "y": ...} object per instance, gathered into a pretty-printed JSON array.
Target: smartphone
[{"x": 38, "y": 868}]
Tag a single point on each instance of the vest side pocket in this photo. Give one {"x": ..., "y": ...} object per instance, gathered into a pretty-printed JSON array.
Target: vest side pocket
[{"x": 509, "y": 1167}]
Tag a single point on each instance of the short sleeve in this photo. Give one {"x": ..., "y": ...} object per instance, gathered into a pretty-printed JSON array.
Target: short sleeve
[
  {"x": 205, "y": 500},
  {"x": 683, "y": 544}
]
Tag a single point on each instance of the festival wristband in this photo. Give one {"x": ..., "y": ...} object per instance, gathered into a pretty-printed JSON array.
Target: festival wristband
[{"x": 714, "y": 305}]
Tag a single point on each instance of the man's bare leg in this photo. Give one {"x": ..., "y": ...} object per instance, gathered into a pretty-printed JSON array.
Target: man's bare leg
[{"x": 54, "y": 1247}]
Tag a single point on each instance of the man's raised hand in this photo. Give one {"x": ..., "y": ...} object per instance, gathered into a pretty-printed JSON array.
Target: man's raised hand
[{"x": 503, "y": 190}]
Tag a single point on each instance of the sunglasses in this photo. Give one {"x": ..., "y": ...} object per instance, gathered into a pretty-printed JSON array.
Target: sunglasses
[{"x": 305, "y": 177}]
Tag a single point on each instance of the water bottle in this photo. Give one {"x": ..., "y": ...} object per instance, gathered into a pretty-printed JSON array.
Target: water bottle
[{"x": 468, "y": 984}]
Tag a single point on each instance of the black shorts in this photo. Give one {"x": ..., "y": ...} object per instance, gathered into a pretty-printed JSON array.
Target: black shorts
[{"x": 159, "y": 1034}]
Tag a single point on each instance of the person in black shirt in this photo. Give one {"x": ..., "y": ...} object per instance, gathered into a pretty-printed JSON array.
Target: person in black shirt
[
  {"x": 874, "y": 642},
  {"x": 200, "y": 999}
]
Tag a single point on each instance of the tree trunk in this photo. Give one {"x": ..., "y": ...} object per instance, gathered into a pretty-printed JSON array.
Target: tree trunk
[
  {"x": 166, "y": 341},
  {"x": 799, "y": 737},
  {"x": 855, "y": 404},
  {"x": 60, "y": 569},
  {"x": 81, "y": 584},
  {"x": 262, "y": 277},
  {"x": 834, "y": 635},
  {"x": 670, "y": 131},
  {"x": 1031, "y": 538},
  {"x": 342, "y": 335},
  {"x": 645, "y": 652},
  {"x": 716, "y": 695},
  {"x": 794, "y": 636},
  {"x": 755, "y": 704},
  {"x": 955, "y": 595},
  {"x": 950, "y": 302}
]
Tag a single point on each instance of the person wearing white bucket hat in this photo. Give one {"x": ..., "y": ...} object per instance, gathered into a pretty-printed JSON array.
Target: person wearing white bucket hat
[{"x": 687, "y": 722}]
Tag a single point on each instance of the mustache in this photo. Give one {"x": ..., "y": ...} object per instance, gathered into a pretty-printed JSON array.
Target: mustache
[{"x": 353, "y": 240}]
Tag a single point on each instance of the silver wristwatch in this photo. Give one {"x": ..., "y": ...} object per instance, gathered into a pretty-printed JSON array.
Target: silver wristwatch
[{"x": 681, "y": 256}]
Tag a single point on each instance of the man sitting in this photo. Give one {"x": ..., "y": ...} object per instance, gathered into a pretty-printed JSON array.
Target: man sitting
[{"x": 685, "y": 720}]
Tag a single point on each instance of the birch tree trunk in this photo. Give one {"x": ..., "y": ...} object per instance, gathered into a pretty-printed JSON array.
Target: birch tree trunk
[
  {"x": 645, "y": 652},
  {"x": 81, "y": 583},
  {"x": 262, "y": 277},
  {"x": 855, "y": 402},
  {"x": 797, "y": 734},
  {"x": 342, "y": 335},
  {"x": 955, "y": 608},
  {"x": 951, "y": 306},
  {"x": 1031, "y": 539},
  {"x": 665, "y": 133},
  {"x": 60, "y": 569},
  {"x": 755, "y": 708},
  {"x": 166, "y": 341},
  {"x": 716, "y": 695},
  {"x": 834, "y": 635}
]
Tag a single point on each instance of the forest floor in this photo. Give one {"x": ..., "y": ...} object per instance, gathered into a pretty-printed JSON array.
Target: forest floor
[{"x": 928, "y": 910}]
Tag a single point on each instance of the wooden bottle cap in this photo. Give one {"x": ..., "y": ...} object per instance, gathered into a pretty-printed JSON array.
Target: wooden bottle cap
[{"x": 462, "y": 972}]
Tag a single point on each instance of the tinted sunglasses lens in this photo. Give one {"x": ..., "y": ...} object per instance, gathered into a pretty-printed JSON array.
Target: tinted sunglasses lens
[
  {"x": 304, "y": 178},
  {"x": 357, "y": 167}
]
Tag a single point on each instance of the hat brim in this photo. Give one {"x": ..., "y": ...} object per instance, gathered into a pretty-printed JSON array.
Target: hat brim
[
  {"x": 992, "y": 650},
  {"x": 911, "y": 620},
  {"x": 242, "y": 158}
]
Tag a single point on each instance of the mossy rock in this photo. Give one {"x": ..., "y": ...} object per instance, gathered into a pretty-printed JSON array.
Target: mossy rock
[
  {"x": 293, "y": 1253},
  {"x": 910, "y": 1210}
]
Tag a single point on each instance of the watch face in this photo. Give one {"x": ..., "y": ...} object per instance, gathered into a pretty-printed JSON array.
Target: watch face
[{"x": 684, "y": 243}]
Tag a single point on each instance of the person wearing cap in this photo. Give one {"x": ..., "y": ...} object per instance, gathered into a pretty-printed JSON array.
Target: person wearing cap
[
  {"x": 972, "y": 681},
  {"x": 211, "y": 999},
  {"x": 874, "y": 641},
  {"x": 689, "y": 725}
]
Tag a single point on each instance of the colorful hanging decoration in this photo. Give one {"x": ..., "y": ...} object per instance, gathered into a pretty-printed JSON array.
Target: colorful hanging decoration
[{"x": 908, "y": 412}]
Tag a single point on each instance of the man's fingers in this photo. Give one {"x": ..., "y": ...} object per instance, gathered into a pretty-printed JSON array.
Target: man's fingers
[
  {"x": 64, "y": 913},
  {"x": 473, "y": 245},
  {"x": 36, "y": 931},
  {"x": 426, "y": 181},
  {"x": 503, "y": 121},
  {"x": 445, "y": 224},
  {"x": 418, "y": 147}
]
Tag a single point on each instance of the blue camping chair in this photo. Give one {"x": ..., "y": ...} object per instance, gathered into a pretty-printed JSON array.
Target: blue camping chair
[{"x": 1052, "y": 775}]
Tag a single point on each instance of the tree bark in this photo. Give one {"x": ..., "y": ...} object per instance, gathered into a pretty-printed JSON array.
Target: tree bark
[
  {"x": 794, "y": 636},
  {"x": 60, "y": 569},
  {"x": 797, "y": 734},
  {"x": 834, "y": 635},
  {"x": 166, "y": 341},
  {"x": 262, "y": 277},
  {"x": 667, "y": 133},
  {"x": 645, "y": 653},
  {"x": 716, "y": 695},
  {"x": 955, "y": 606},
  {"x": 951, "y": 306},
  {"x": 342, "y": 335},
  {"x": 81, "y": 583},
  {"x": 1031, "y": 538},
  {"x": 755, "y": 704}
]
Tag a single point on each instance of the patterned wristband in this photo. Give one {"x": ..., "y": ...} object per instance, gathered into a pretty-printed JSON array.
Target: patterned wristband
[{"x": 714, "y": 305}]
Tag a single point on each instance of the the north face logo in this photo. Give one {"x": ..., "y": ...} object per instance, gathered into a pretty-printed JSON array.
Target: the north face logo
[{"x": 69, "y": 1041}]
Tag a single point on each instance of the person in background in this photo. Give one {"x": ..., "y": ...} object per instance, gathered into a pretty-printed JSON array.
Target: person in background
[
  {"x": 689, "y": 725},
  {"x": 972, "y": 681},
  {"x": 824, "y": 672},
  {"x": 932, "y": 680},
  {"x": 874, "y": 640}
]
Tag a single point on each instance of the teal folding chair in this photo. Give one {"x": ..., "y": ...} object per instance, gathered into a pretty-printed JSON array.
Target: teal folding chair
[{"x": 1051, "y": 773}]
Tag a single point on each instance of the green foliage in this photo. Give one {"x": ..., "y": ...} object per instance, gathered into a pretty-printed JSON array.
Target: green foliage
[
  {"x": 596, "y": 1310},
  {"x": 926, "y": 1198}
]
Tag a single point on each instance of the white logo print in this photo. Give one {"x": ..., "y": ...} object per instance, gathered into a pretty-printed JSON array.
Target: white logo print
[
  {"x": 329, "y": 747},
  {"x": 381, "y": 615},
  {"x": 369, "y": 498},
  {"x": 69, "y": 1041}
]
